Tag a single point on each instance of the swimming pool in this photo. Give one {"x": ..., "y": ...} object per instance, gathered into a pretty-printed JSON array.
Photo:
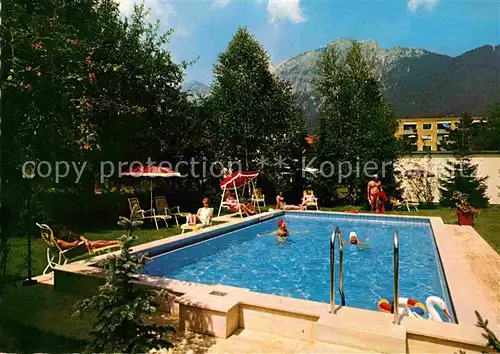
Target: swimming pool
[{"x": 299, "y": 267}]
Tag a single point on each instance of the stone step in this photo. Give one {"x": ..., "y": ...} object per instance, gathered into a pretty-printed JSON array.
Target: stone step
[
  {"x": 251, "y": 341},
  {"x": 366, "y": 330}
]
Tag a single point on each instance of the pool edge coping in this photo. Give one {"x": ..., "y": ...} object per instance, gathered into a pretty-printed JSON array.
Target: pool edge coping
[{"x": 443, "y": 244}]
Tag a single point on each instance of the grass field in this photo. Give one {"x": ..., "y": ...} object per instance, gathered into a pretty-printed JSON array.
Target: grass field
[{"x": 38, "y": 319}]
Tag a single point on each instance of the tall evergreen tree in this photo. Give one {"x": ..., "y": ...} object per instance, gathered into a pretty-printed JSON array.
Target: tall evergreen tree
[
  {"x": 256, "y": 114},
  {"x": 461, "y": 174},
  {"x": 356, "y": 124},
  {"x": 490, "y": 132}
]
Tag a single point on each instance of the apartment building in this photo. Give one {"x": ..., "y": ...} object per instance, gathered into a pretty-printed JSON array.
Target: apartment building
[{"x": 426, "y": 134}]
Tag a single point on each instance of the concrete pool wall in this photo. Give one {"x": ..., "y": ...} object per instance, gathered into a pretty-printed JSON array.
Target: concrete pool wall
[{"x": 219, "y": 310}]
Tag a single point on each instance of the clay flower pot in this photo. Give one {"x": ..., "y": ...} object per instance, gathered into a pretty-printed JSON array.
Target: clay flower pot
[{"x": 465, "y": 218}]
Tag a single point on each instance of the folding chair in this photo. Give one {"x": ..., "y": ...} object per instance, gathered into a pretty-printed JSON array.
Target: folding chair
[
  {"x": 56, "y": 256},
  {"x": 197, "y": 226},
  {"x": 143, "y": 214},
  {"x": 163, "y": 209},
  {"x": 398, "y": 204},
  {"x": 310, "y": 199},
  {"x": 258, "y": 197}
]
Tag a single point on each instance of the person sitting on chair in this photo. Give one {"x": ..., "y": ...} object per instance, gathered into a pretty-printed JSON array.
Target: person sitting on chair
[
  {"x": 309, "y": 198},
  {"x": 68, "y": 239},
  {"x": 204, "y": 214}
]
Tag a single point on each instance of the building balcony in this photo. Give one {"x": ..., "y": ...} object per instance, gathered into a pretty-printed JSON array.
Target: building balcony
[
  {"x": 442, "y": 131},
  {"x": 409, "y": 131}
]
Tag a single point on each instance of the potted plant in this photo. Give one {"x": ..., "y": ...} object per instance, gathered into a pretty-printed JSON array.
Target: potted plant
[{"x": 465, "y": 211}]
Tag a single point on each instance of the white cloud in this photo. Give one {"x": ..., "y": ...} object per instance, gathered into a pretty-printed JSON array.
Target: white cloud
[
  {"x": 413, "y": 5},
  {"x": 220, "y": 3},
  {"x": 286, "y": 10},
  {"x": 183, "y": 32},
  {"x": 158, "y": 8}
]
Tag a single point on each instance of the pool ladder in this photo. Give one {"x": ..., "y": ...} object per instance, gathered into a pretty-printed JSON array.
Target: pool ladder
[
  {"x": 395, "y": 308},
  {"x": 337, "y": 235}
]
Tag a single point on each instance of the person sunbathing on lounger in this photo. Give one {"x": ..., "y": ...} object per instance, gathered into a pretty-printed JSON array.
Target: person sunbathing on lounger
[
  {"x": 234, "y": 205},
  {"x": 281, "y": 204},
  {"x": 64, "y": 236}
]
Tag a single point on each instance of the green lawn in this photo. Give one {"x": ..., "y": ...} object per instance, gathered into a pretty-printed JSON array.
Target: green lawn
[{"x": 37, "y": 319}]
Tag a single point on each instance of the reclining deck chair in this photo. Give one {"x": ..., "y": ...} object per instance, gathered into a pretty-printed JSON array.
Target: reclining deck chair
[
  {"x": 56, "y": 256},
  {"x": 310, "y": 199},
  {"x": 143, "y": 214},
  {"x": 197, "y": 226},
  {"x": 258, "y": 197},
  {"x": 399, "y": 204},
  {"x": 163, "y": 209}
]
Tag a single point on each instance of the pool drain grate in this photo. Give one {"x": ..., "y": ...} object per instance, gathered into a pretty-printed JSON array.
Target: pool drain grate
[{"x": 217, "y": 293}]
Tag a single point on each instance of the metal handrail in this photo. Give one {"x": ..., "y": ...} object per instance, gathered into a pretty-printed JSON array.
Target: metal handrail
[
  {"x": 395, "y": 302},
  {"x": 336, "y": 235}
]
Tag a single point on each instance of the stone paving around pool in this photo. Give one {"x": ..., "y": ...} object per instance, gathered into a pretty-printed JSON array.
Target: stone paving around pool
[{"x": 484, "y": 263}]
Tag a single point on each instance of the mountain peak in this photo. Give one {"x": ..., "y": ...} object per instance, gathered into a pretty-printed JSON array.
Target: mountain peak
[{"x": 418, "y": 82}]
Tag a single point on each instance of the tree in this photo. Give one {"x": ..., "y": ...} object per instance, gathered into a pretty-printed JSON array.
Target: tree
[
  {"x": 461, "y": 174},
  {"x": 121, "y": 305},
  {"x": 356, "y": 124},
  {"x": 82, "y": 85},
  {"x": 256, "y": 114},
  {"x": 490, "y": 132},
  {"x": 462, "y": 139}
]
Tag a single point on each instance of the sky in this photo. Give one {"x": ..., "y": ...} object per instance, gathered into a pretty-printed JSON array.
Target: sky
[{"x": 287, "y": 28}]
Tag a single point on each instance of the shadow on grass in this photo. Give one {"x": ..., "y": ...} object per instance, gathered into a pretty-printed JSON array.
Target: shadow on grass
[{"x": 21, "y": 338}]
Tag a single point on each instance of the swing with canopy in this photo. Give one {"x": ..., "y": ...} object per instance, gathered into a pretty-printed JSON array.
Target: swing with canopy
[{"x": 237, "y": 180}]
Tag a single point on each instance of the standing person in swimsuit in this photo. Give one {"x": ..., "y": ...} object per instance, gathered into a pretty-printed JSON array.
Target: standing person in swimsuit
[{"x": 373, "y": 189}]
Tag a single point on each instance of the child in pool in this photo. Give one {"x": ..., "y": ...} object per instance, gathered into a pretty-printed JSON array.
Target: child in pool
[{"x": 353, "y": 240}]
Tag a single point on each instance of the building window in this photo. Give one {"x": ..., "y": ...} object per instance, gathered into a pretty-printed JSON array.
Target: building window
[
  {"x": 427, "y": 148},
  {"x": 427, "y": 126},
  {"x": 443, "y": 127},
  {"x": 409, "y": 128},
  {"x": 427, "y": 137}
]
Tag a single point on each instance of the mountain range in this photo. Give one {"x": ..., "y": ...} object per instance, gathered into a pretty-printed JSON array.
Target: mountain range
[{"x": 418, "y": 83}]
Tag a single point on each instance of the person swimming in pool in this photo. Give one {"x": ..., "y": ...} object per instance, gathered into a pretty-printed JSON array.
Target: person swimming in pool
[
  {"x": 283, "y": 230},
  {"x": 354, "y": 240}
]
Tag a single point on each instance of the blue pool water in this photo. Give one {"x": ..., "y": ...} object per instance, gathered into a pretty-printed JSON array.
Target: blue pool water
[{"x": 299, "y": 267}]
